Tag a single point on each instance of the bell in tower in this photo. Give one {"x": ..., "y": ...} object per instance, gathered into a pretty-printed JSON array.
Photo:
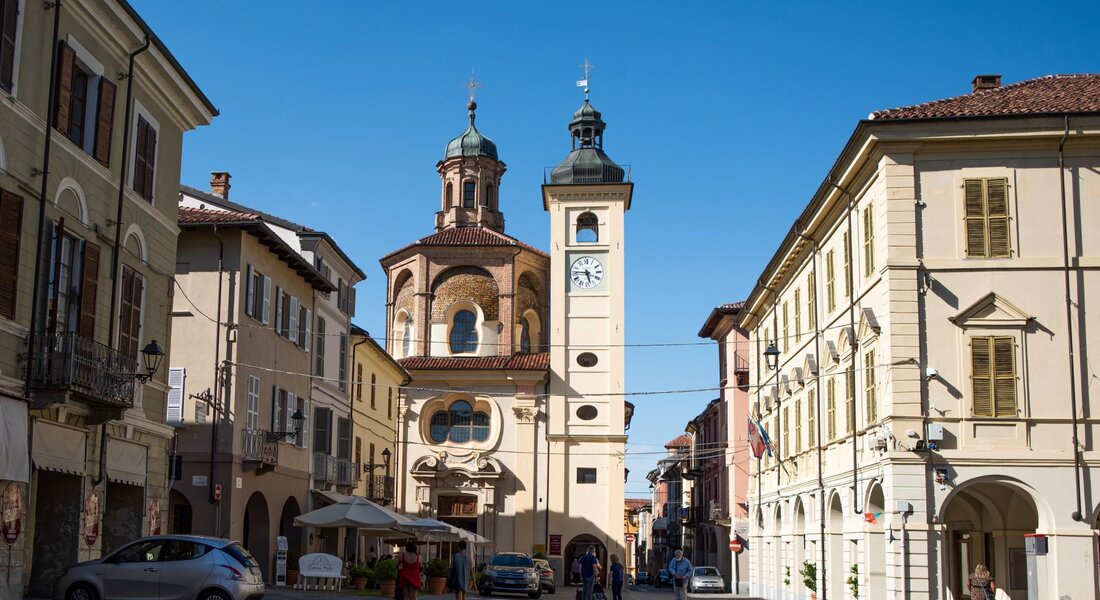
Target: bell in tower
[{"x": 471, "y": 174}]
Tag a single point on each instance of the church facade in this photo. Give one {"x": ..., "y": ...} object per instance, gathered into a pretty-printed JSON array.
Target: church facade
[{"x": 514, "y": 424}]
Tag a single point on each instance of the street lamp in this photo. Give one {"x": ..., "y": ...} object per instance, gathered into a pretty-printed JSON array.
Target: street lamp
[
  {"x": 771, "y": 355},
  {"x": 369, "y": 469},
  {"x": 297, "y": 418},
  {"x": 151, "y": 355}
]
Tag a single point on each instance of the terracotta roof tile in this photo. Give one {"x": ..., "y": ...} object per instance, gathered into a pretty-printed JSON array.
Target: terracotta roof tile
[
  {"x": 470, "y": 236},
  {"x": 515, "y": 362},
  {"x": 188, "y": 214},
  {"x": 680, "y": 441},
  {"x": 1045, "y": 95},
  {"x": 636, "y": 503}
]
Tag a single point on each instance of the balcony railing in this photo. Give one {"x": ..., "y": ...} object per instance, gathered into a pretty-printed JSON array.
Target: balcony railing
[
  {"x": 259, "y": 447},
  {"x": 379, "y": 488},
  {"x": 329, "y": 469},
  {"x": 70, "y": 363}
]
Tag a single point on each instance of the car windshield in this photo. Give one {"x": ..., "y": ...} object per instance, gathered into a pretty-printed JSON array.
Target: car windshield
[
  {"x": 511, "y": 560},
  {"x": 241, "y": 555},
  {"x": 706, "y": 571}
]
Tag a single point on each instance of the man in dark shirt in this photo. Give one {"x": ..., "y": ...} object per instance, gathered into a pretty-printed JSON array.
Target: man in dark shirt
[{"x": 590, "y": 569}]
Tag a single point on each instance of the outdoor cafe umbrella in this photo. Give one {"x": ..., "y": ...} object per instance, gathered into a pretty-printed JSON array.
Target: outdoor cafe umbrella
[{"x": 356, "y": 512}]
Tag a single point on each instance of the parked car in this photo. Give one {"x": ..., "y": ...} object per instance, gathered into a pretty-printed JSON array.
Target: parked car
[
  {"x": 706, "y": 579},
  {"x": 629, "y": 579},
  {"x": 546, "y": 575},
  {"x": 642, "y": 578},
  {"x": 174, "y": 567},
  {"x": 664, "y": 577},
  {"x": 510, "y": 572}
]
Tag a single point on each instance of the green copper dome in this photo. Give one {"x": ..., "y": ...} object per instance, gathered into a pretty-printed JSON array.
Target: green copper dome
[{"x": 471, "y": 142}]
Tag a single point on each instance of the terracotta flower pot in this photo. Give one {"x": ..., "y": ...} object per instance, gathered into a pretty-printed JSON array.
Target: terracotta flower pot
[
  {"x": 437, "y": 585},
  {"x": 387, "y": 588},
  {"x": 291, "y": 577},
  {"x": 360, "y": 583}
]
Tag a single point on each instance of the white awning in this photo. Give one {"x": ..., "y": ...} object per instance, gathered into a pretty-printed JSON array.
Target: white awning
[
  {"x": 13, "y": 441},
  {"x": 126, "y": 462},
  {"x": 58, "y": 448},
  {"x": 661, "y": 523}
]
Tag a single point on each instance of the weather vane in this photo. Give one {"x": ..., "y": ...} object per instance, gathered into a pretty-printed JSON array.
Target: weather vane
[
  {"x": 472, "y": 85},
  {"x": 587, "y": 66}
]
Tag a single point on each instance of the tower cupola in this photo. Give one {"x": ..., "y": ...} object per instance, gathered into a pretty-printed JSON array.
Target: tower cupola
[
  {"x": 587, "y": 162},
  {"x": 471, "y": 174},
  {"x": 471, "y": 142}
]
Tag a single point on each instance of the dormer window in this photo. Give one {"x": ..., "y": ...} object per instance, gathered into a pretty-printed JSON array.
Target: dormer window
[
  {"x": 588, "y": 228},
  {"x": 469, "y": 195}
]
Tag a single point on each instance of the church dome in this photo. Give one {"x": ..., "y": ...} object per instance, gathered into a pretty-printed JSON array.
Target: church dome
[
  {"x": 587, "y": 162},
  {"x": 471, "y": 142}
]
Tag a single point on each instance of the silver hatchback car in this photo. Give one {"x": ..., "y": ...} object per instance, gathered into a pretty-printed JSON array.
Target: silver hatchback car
[{"x": 175, "y": 567}]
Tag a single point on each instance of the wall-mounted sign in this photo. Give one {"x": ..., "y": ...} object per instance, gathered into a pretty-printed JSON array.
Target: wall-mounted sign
[
  {"x": 12, "y": 512},
  {"x": 198, "y": 480},
  {"x": 555, "y": 545},
  {"x": 154, "y": 517},
  {"x": 91, "y": 519}
]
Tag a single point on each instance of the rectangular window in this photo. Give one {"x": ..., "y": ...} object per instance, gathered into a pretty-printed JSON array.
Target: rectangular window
[
  {"x": 343, "y": 438},
  {"x": 373, "y": 387},
  {"x": 830, "y": 407},
  {"x": 586, "y": 475},
  {"x": 256, "y": 294},
  {"x": 319, "y": 350},
  {"x": 252, "y": 417},
  {"x": 869, "y": 241},
  {"x": 786, "y": 329},
  {"x": 811, "y": 310},
  {"x": 305, "y": 330},
  {"x": 797, "y": 315},
  {"x": 993, "y": 376},
  {"x": 11, "y": 228},
  {"x": 145, "y": 157},
  {"x": 278, "y": 310},
  {"x": 468, "y": 194},
  {"x": 869, "y": 385},
  {"x": 9, "y": 25},
  {"x": 811, "y": 419},
  {"x": 784, "y": 449},
  {"x": 302, "y": 441},
  {"x": 129, "y": 314},
  {"x": 798, "y": 425},
  {"x": 278, "y": 408},
  {"x": 847, "y": 266},
  {"x": 830, "y": 283},
  {"x": 322, "y": 430},
  {"x": 78, "y": 105},
  {"x": 389, "y": 403},
  {"x": 358, "y": 392},
  {"x": 986, "y": 209},
  {"x": 64, "y": 280},
  {"x": 850, "y": 400},
  {"x": 343, "y": 362}
]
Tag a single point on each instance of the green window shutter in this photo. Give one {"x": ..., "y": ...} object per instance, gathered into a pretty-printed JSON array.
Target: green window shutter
[
  {"x": 830, "y": 287},
  {"x": 831, "y": 407},
  {"x": 997, "y": 211},
  {"x": 786, "y": 329},
  {"x": 783, "y": 450},
  {"x": 798, "y": 425},
  {"x": 797, "y": 315},
  {"x": 868, "y": 241},
  {"x": 847, "y": 266},
  {"x": 811, "y": 317},
  {"x": 850, "y": 400},
  {"x": 981, "y": 376},
  {"x": 1004, "y": 380},
  {"x": 869, "y": 378},
  {"x": 811, "y": 420}
]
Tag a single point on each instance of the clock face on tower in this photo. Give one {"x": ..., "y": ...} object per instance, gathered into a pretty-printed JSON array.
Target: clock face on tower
[{"x": 586, "y": 272}]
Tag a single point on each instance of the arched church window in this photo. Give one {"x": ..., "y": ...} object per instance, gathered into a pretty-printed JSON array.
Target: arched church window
[
  {"x": 459, "y": 424},
  {"x": 464, "y": 332},
  {"x": 406, "y": 336},
  {"x": 525, "y": 337},
  {"x": 468, "y": 194},
  {"x": 588, "y": 228},
  {"x": 440, "y": 426},
  {"x": 450, "y": 199}
]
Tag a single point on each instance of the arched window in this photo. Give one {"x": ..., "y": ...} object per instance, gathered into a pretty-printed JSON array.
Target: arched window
[
  {"x": 460, "y": 424},
  {"x": 464, "y": 332},
  {"x": 525, "y": 337},
  {"x": 588, "y": 228},
  {"x": 469, "y": 195},
  {"x": 406, "y": 336},
  {"x": 450, "y": 199}
]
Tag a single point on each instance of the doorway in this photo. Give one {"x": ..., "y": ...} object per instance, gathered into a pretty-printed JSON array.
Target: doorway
[
  {"x": 257, "y": 526},
  {"x": 57, "y": 529},
  {"x": 122, "y": 515}
]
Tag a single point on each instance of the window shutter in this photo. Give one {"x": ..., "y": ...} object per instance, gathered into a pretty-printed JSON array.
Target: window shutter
[
  {"x": 267, "y": 300},
  {"x": 276, "y": 414},
  {"x": 847, "y": 265},
  {"x": 869, "y": 379},
  {"x": 11, "y": 226},
  {"x": 797, "y": 315},
  {"x": 850, "y": 400},
  {"x": 997, "y": 206},
  {"x": 351, "y": 302},
  {"x": 66, "y": 62},
  {"x": 798, "y": 425},
  {"x": 176, "y": 378},
  {"x": 303, "y": 440},
  {"x": 88, "y": 291},
  {"x": 811, "y": 419},
  {"x": 830, "y": 281},
  {"x": 7, "y": 43},
  {"x": 250, "y": 292},
  {"x": 974, "y": 205},
  {"x": 150, "y": 161},
  {"x": 289, "y": 404},
  {"x": 868, "y": 241},
  {"x": 1004, "y": 384},
  {"x": 139, "y": 156},
  {"x": 981, "y": 376},
  {"x": 278, "y": 311},
  {"x": 831, "y": 407},
  {"x": 304, "y": 340},
  {"x": 811, "y": 317},
  {"x": 135, "y": 320},
  {"x": 292, "y": 332},
  {"x": 105, "y": 120}
]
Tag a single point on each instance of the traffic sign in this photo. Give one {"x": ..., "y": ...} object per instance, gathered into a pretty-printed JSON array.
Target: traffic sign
[
  {"x": 629, "y": 538},
  {"x": 735, "y": 545},
  {"x": 217, "y": 491}
]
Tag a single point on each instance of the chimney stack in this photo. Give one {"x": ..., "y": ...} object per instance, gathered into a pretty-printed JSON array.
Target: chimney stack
[
  {"x": 986, "y": 82},
  {"x": 219, "y": 184}
]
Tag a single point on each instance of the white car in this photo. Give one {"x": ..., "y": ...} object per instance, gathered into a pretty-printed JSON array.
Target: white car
[{"x": 706, "y": 579}]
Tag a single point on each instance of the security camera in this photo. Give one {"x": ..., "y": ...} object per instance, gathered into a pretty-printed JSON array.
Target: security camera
[{"x": 930, "y": 373}]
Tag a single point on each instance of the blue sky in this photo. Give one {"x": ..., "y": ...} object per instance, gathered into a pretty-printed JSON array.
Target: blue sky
[{"x": 730, "y": 113}]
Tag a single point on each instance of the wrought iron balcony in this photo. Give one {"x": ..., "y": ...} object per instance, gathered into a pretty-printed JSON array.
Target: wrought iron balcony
[
  {"x": 379, "y": 488},
  {"x": 339, "y": 471},
  {"x": 68, "y": 363},
  {"x": 260, "y": 449}
]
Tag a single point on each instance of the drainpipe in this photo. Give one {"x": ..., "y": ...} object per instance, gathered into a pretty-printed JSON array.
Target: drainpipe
[
  {"x": 217, "y": 376},
  {"x": 546, "y": 434},
  {"x": 50, "y": 115},
  {"x": 817, "y": 418},
  {"x": 1077, "y": 515}
]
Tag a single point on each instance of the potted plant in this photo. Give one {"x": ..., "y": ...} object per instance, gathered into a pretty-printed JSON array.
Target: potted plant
[
  {"x": 436, "y": 572},
  {"x": 292, "y": 568},
  {"x": 359, "y": 576},
  {"x": 385, "y": 572},
  {"x": 809, "y": 577},
  {"x": 853, "y": 581}
]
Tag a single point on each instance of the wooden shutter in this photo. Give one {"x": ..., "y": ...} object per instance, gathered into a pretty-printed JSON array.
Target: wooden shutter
[
  {"x": 8, "y": 26},
  {"x": 847, "y": 266},
  {"x": 278, "y": 310},
  {"x": 66, "y": 62},
  {"x": 129, "y": 330},
  {"x": 797, "y": 315},
  {"x": 105, "y": 120},
  {"x": 276, "y": 415},
  {"x": 266, "y": 300},
  {"x": 351, "y": 302},
  {"x": 798, "y": 425},
  {"x": 139, "y": 156},
  {"x": 11, "y": 227},
  {"x": 88, "y": 291},
  {"x": 811, "y": 419},
  {"x": 830, "y": 280},
  {"x": 811, "y": 310},
  {"x": 150, "y": 161},
  {"x": 997, "y": 212},
  {"x": 868, "y": 241},
  {"x": 831, "y": 407},
  {"x": 249, "y": 292},
  {"x": 1004, "y": 381},
  {"x": 782, "y": 450},
  {"x": 786, "y": 329},
  {"x": 974, "y": 207},
  {"x": 869, "y": 380},
  {"x": 175, "y": 395},
  {"x": 306, "y": 321},
  {"x": 981, "y": 375},
  {"x": 850, "y": 400}
]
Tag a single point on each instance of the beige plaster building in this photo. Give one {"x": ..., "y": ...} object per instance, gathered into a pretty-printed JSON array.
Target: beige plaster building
[
  {"x": 87, "y": 185},
  {"x": 376, "y": 391},
  {"x": 929, "y": 312},
  {"x": 505, "y": 434}
]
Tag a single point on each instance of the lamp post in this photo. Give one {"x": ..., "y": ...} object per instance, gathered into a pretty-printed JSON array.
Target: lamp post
[
  {"x": 151, "y": 356},
  {"x": 369, "y": 470},
  {"x": 771, "y": 355},
  {"x": 297, "y": 418}
]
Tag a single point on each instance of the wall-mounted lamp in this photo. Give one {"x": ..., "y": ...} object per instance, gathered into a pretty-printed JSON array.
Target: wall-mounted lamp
[
  {"x": 771, "y": 356},
  {"x": 151, "y": 355}
]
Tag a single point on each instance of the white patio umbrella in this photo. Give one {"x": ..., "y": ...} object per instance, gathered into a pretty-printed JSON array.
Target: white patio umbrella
[{"x": 356, "y": 512}]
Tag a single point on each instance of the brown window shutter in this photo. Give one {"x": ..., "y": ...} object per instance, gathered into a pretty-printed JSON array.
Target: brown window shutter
[
  {"x": 88, "y": 291},
  {"x": 997, "y": 205},
  {"x": 11, "y": 225},
  {"x": 974, "y": 205},
  {"x": 1004, "y": 380},
  {"x": 66, "y": 62},
  {"x": 981, "y": 376},
  {"x": 135, "y": 319},
  {"x": 8, "y": 27},
  {"x": 139, "y": 157},
  {"x": 105, "y": 120},
  {"x": 150, "y": 160}
]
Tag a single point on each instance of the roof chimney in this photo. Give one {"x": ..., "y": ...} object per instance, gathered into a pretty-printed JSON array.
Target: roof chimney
[
  {"x": 219, "y": 184},
  {"x": 986, "y": 82}
]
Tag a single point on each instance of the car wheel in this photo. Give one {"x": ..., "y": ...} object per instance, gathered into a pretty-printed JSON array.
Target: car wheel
[
  {"x": 81, "y": 591},
  {"x": 213, "y": 595},
  {"x": 534, "y": 595}
]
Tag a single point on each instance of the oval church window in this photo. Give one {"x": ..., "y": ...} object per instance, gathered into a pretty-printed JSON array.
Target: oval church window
[
  {"x": 587, "y": 359},
  {"x": 587, "y": 412}
]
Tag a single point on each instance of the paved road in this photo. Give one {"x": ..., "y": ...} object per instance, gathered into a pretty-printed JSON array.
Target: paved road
[{"x": 563, "y": 593}]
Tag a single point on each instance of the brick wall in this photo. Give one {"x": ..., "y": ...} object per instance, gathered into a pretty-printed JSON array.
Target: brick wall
[{"x": 466, "y": 283}]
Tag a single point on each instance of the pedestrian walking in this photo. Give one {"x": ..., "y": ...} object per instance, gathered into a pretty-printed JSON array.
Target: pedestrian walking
[
  {"x": 408, "y": 574},
  {"x": 982, "y": 586},
  {"x": 680, "y": 569},
  {"x": 575, "y": 570},
  {"x": 461, "y": 576},
  {"x": 372, "y": 558},
  {"x": 590, "y": 570},
  {"x": 618, "y": 574}
]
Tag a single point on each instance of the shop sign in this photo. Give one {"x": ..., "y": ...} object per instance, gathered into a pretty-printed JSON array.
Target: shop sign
[
  {"x": 91, "y": 519},
  {"x": 12, "y": 511},
  {"x": 555, "y": 545},
  {"x": 154, "y": 517}
]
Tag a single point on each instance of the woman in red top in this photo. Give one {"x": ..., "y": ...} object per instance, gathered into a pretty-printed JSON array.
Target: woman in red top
[{"x": 408, "y": 573}]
